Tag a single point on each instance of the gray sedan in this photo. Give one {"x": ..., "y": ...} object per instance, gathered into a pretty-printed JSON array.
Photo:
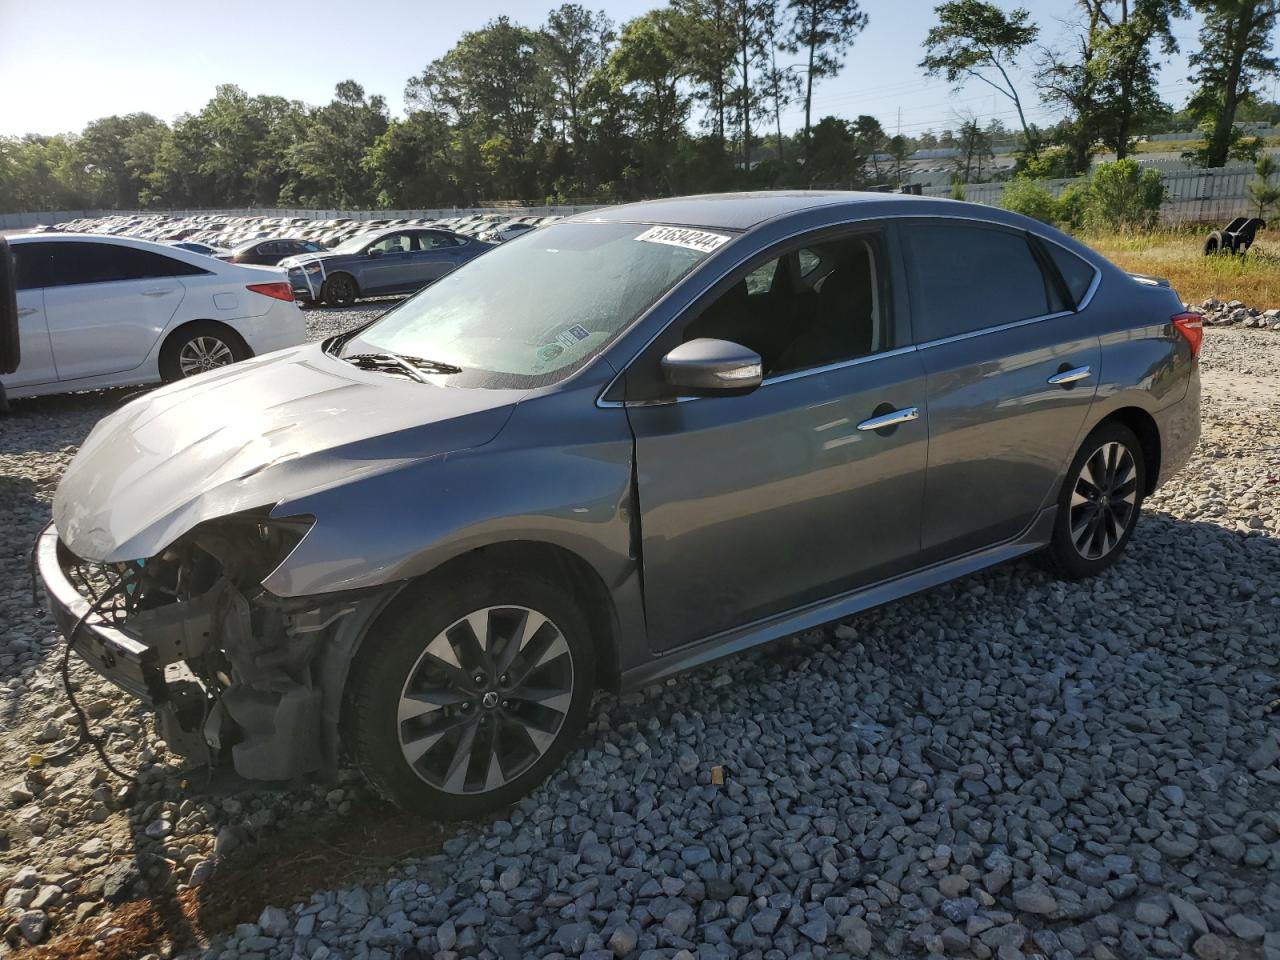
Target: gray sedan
[
  {"x": 403, "y": 260},
  {"x": 626, "y": 445}
]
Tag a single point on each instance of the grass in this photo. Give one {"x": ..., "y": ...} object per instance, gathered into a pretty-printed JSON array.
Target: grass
[
  {"x": 1175, "y": 254},
  {"x": 1191, "y": 143}
]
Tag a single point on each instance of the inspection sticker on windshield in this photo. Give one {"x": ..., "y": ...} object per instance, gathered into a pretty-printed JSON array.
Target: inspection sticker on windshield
[
  {"x": 573, "y": 335},
  {"x": 699, "y": 240}
]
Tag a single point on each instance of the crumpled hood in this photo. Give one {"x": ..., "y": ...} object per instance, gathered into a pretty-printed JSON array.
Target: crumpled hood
[{"x": 250, "y": 436}]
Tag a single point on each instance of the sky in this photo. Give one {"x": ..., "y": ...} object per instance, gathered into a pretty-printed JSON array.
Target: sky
[{"x": 66, "y": 62}]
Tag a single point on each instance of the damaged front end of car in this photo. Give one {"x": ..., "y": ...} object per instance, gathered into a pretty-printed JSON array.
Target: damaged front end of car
[{"x": 232, "y": 671}]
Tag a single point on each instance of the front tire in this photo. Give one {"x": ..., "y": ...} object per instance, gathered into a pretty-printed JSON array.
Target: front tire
[
  {"x": 1099, "y": 504},
  {"x": 339, "y": 290},
  {"x": 465, "y": 698},
  {"x": 200, "y": 347}
]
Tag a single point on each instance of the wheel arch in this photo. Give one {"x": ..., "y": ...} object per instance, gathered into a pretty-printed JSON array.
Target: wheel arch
[
  {"x": 1144, "y": 427},
  {"x": 559, "y": 564}
]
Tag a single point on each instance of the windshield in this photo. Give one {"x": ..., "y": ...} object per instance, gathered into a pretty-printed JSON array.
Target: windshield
[
  {"x": 529, "y": 313},
  {"x": 353, "y": 244}
]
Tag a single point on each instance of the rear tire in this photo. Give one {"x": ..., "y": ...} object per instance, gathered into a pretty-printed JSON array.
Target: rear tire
[
  {"x": 339, "y": 290},
  {"x": 199, "y": 347},
  {"x": 453, "y": 724},
  {"x": 1212, "y": 244},
  {"x": 1099, "y": 504}
]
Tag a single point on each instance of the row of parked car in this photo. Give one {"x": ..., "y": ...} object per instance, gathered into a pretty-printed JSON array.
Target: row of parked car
[
  {"x": 226, "y": 233},
  {"x": 109, "y": 309}
]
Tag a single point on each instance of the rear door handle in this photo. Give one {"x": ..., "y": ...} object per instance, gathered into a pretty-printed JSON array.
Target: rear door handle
[
  {"x": 1065, "y": 377},
  {"x": 157, "y": 292},
  {"x": 27, "y": 311},
  {"x": 891, "y": 419}
]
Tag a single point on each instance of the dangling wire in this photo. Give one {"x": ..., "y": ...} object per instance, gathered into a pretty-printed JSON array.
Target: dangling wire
[{"x": 87, "y": 735}]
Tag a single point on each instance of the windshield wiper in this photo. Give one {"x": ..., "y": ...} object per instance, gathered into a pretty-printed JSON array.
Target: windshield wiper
[{"x": 413, "y": 366}]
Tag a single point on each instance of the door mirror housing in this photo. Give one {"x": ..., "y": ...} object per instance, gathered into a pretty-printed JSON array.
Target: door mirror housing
[
  {"x": 712, "y": 368},
  {"x": 373, "y": 252},
  {"x": 10, "y": 352}
]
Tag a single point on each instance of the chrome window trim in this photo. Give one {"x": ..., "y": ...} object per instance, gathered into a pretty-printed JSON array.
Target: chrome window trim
[
  {"x": 853, "y": 224},
  {"x": 1013, "y": 325}
]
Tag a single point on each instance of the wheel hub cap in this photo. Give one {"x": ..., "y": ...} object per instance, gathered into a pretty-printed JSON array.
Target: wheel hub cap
[
  {"x": 201, "y": 354},
  {"x": 462, "y": 733},
  {"x": 1104, "y": 500}
]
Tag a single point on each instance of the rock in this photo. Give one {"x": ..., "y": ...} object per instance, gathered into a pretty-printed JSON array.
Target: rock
[
  {"x": 274, "y": 922},
  {"x": 1152, "y": 911},
  {"x": 1210, "y": 947},
  {"x": 1267, "y": 752},
  {"x": 623, "y": 941},
  {"x": 1036, "y": 899},
  {"x": 1246, "y": 928},
  {"x": 33, "y": 924},
  {"x": 120, "y": 881}
]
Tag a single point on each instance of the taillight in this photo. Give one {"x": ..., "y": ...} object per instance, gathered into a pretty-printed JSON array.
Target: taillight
[
  {"x": 279, "y": 290},
  {"x": 1191, "y": 326}
]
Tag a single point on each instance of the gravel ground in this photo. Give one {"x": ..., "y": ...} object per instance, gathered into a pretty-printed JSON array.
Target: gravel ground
[{"x": 1004, "y": 766}]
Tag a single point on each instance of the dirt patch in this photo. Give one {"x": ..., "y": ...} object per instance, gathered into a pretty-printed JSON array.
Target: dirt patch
[{"x": 279, "y": 869}]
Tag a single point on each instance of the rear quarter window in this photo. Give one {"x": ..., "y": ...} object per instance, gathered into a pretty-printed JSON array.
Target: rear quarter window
[
  {"x": 1077, "y": 273},
  {"x": 967, "y": 277}
]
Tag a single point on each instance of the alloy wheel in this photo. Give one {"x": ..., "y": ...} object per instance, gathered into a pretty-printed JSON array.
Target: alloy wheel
[
  {"x": 485, "y": 700},
  {"x": 1104, "y": 500},
  {"x": 200, "y": 354}
]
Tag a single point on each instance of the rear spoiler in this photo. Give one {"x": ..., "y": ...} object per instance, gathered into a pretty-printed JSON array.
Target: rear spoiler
[{"x": 1150, "y": 281}]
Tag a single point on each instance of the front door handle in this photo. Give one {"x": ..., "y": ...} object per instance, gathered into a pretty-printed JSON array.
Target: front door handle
[
  {"x": 1067, "y": 377},
  {"x": 891, "y": 419},
  {"x": 157, "y": 292},
  {"x": 27, "y": 311}
]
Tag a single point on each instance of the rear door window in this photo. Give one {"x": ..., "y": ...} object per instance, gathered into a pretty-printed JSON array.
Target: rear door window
[{"x": 966, "y": 277}]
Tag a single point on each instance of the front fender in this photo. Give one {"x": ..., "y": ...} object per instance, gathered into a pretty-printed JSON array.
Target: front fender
[{"x": 528, "y": 484}]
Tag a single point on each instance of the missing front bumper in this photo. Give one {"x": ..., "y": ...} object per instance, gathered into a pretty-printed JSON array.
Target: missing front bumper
[{"x": 271, "y": 703}]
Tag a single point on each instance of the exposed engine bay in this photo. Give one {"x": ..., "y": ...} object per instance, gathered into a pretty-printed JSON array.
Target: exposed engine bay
[{"x": 234, "y": 673}]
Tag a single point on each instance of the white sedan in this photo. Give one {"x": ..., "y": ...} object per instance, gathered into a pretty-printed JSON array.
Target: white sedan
[
  {"x": 507, "y": 231},
  {"x": 98, "y": 311}
]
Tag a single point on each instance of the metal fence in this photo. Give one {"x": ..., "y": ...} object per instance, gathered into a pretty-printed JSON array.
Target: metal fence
[{"x": 1191, "y": 196}]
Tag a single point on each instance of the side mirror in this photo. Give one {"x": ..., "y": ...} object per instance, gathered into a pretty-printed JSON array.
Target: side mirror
[
  {"x": 10, "y": 352},
  {"x": 712, "y": 368},
  {"x": 373, "y": 252}
]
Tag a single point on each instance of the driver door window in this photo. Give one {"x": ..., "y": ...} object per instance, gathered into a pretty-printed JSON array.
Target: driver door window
[
  {"x": 823, "y": 304},
  {"x": 396, "y": 243}
]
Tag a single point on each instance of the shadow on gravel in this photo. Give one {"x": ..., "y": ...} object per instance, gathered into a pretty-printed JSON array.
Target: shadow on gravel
[
  {"x": 1180, "y": 609},
  {"x": 285, "y": 864}
]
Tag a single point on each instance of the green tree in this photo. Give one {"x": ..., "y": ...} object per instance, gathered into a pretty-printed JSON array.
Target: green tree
[
  {"x": 977, "y": 40},
  {"x": 823, "y": 30},
  {"x": 837, "y": 156},
  {"x": 1263, "y": 194},
  {"x": 326, "y": 165},
  {"x": 494, "y": 89},
  {"x": 1235, "y": 53},
  {"x": 1031, "y": 199},
  {"x": 574, "y": 44},
  {"x": 120, "y": 149},
  {"x": 648, "y": 69},
  {"x": 1122, "y": 195},
  {"x": 870, "y": 138},
  {"x": 412, "y": 164}
]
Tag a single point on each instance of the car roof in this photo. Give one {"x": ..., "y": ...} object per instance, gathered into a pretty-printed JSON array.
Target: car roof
[{"x": 155, "y": 246}]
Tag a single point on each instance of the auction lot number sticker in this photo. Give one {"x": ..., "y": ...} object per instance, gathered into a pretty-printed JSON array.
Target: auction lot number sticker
[{"x": 701, "y": 240}]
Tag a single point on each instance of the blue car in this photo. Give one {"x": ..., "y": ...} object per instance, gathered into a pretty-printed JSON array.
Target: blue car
[{"x": 402, "y": 260}]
